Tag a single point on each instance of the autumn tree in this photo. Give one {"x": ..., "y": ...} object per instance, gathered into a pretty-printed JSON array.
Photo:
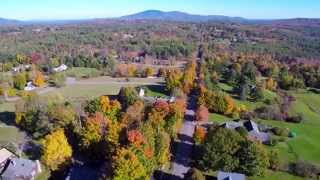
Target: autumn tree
[
  {"x": 38, "y": 79},
  {"x": 135, "y": 137},
  {"x": 148, "y": 72},
  {"x": 174, "y": 119},
  {"x": 199, "y": 134},
  {"x": 126, "y": 165},
  {"x": 94, "y": 130},
  {"x": 189, "y": 77},
  {"x": 110, "y": 108},
  {"x": 173, "y": 79},
  {"x": 271, "y": 84},
  {"x": 131, "y": 70},
  {"x": 202, "y": 113},
  {"x": 218, "y": 102},
  {"x": 56, "y": 151}
]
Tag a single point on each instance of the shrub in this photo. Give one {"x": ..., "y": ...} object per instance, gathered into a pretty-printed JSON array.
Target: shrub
[
  {"x": 280, "y": 131},
  {"x": 274, "y": 160},
  {"x": 305, "y": 169},
  {"x": 295, "y": 119},
  {"x": 195, "y": 174},
  {"x": 11, "y": 92}
]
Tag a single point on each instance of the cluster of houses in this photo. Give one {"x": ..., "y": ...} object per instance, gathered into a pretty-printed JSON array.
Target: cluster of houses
[
  {"x": 13, "y": 167},
  {"x": 30, "y": 86}
]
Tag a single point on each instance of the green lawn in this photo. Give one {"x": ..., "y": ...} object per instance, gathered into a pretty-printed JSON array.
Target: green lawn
[
  {"x": 74, "y": 92},
  {"x": 81, "y": 72},
  {"x": 155, "y": 91}
]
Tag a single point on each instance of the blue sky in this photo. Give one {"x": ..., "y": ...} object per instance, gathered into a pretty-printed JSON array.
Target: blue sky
[{"x": 80, "y": 9}]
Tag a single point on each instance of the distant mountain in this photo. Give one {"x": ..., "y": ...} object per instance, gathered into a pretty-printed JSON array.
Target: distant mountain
[
  {"x": 179, "y": 16},
  {"x": 9, "y": 21}
]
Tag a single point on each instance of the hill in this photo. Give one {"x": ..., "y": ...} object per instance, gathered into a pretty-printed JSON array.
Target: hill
[
  {"x": 179, "y": 16},
  {"x": 4, "y": 21}
]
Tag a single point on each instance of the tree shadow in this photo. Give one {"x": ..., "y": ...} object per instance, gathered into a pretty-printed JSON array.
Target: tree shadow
[
  {"x": 185, "y": 138},
  {"x": 160, "y": 175},
  {"x": 32, "y": 150},
  {"x": 182, "y": 152},
  {"x": 7, "y": 118},
  {"x": 157, "y": 89}
]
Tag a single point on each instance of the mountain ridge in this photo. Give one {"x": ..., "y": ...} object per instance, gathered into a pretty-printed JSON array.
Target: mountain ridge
[{"x": 176, "y": 16}]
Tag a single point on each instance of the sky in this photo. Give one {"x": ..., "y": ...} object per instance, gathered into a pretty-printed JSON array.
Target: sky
[{"x": 85, "y": 9}]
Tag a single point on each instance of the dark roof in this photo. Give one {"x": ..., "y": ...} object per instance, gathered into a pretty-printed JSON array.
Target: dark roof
[{"x": 251, "y": 126}]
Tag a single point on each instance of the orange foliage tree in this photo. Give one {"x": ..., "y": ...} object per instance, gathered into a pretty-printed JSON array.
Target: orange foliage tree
[
  {"x": 135, "y": 138},
  {"x": 199, "y": 134},
  {"x": 38, "y": 79},
  {"x": 202, "y": 113},
  {"x": 189, "y": 77}
]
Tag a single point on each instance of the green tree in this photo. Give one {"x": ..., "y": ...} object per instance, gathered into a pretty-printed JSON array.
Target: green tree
[
  {"x": 20, "y": 81},
  {"x": 220, "y": 150},
  {"x": 127, "y": 96},
  {"x": 253, "y": 158}
]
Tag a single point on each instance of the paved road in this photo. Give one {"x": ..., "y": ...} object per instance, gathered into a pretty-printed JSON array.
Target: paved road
[{"x": 180, "y": 165}]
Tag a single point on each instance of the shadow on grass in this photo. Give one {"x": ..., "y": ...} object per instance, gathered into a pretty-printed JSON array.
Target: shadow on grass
[
  {"x": 156, "y": 90},
  {"x": 7, "y": 118},
  {"x": 160, "y": 175}
]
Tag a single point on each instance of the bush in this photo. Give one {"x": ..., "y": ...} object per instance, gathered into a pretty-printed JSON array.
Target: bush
[
  {"x": 242, "y": 131},
  {"x": 295, "y": 119},
  {"x": 280, "y": 131},
  {"x": 274, "y": 160},
  {"x": 11, "y": 92},
  {"x": 305, "y": 169},
  {"x": 58, "y": 79},
  {"x": 194, "y": 174}
]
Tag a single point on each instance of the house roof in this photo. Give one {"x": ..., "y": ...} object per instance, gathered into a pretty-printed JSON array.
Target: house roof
[
  {"x": 230, "y": 176},
  {"x": 22, "y": 168},
  {"x": 251, "y": 126},
  {"x": 232, "y": 125},
  {"x": 5, "y": 154}
]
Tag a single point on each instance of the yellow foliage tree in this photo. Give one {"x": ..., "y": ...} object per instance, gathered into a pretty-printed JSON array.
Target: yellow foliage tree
[
  {"x": 271, "y": 84},
  {"x": 56, "y": 151},
  {"x": 132, "y": 70},
  {"x": 148, "y": 72},
  {"x": 38, "y": 79}
]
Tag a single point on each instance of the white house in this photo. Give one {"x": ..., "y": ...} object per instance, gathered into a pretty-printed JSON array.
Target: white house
[
  {"x": 141, "y": 92},
  {"x": 61, "y": 68},
  {"x": 30, "y": 87}
]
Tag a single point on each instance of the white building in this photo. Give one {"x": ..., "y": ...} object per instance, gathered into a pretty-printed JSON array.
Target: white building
[
  {"x": 30, "y": 87},
  {"x": 61, "y": 68}
]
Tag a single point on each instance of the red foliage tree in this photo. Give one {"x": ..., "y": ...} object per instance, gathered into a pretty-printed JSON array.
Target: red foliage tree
[
  {"x": 135, "y": 137},
  {"x": 161, "y": 107}
]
